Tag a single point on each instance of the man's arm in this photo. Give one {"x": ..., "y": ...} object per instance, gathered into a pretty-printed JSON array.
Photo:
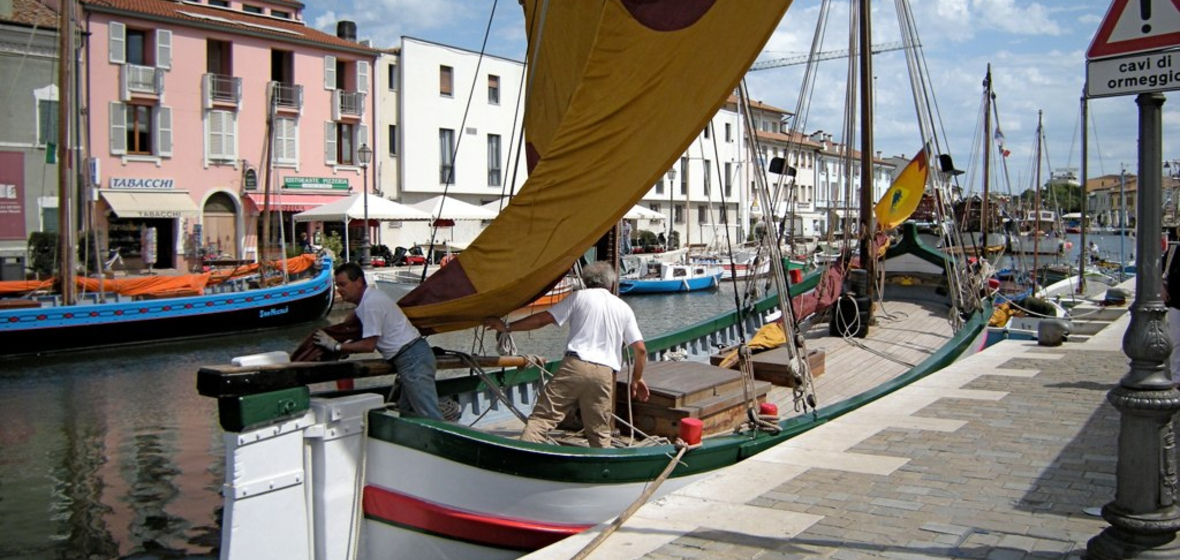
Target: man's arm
[
  {"x": 639, "y": 388},
  {"x": 532, "y": 322}
]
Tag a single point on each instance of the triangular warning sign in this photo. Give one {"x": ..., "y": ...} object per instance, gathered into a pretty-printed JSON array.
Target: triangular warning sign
[{"x": 1133, "y": 26}]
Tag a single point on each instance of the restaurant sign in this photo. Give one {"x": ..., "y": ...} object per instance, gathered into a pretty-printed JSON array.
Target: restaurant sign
[{"x": 315, "y": 183}]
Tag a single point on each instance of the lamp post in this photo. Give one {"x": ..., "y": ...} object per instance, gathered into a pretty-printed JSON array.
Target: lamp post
[
  {"x": 671, "y": 207},
  {"x": 365, "y": 154}
]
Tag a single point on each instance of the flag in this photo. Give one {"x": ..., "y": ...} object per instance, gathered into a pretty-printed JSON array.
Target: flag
[
  {"x": 904, "y": 194},
  {"x": 1000, "y": 143}
]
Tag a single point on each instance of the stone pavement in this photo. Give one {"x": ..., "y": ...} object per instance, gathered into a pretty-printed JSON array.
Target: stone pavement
[{"x": 995, "y": 457}]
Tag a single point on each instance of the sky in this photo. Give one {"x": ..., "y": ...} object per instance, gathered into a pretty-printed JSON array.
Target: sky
[{"x": 1037, "y": 53}]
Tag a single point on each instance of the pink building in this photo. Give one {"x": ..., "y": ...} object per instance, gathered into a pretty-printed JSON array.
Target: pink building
[{"x": 178, "y": 94}]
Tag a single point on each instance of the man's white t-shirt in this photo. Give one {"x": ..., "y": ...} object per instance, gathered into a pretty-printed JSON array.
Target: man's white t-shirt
[
  {"x": 381, "y": 317},
  {"x": 600, "y": 323}
]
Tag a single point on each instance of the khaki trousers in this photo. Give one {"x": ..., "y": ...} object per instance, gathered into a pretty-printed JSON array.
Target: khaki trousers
[{"x": 586, "y": 385}]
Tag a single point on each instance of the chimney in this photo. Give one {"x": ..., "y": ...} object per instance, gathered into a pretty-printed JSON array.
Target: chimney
[{"x": 346, "y": 30}]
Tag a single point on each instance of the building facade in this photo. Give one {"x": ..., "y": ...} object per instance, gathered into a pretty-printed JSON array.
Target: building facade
[
  {"x": 182, "y": 99},
  {"x": 28, "y": 130}
]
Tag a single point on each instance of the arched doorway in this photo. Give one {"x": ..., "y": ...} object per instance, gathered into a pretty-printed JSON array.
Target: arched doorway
[{"x": 220, "y": 231}]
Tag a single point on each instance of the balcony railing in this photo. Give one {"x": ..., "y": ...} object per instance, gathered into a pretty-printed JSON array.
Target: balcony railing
[
  {"x": 287, "y": 96},
  {"x": 141, "y": 79},
  {"x": 217, "y": 88},
  {"x": 347, "y": 104}
]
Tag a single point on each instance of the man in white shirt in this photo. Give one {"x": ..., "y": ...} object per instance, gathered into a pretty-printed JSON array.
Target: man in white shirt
[
  {"x": 600, "y": 323},
  {"x": 386, "y": 329}
]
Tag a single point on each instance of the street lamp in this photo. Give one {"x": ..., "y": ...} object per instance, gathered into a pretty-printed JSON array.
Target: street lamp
[
  {"x": 671, "y": 208},
  {"x": 365, "y": 154}
]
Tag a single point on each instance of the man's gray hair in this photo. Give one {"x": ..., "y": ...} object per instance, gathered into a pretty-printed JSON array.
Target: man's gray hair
[{"x": 599, "y": 275}]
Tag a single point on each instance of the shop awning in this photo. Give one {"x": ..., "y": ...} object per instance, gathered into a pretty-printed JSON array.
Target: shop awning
[
  {"x": 150, "y": 204},
  {"x": 294, "y": 202}
]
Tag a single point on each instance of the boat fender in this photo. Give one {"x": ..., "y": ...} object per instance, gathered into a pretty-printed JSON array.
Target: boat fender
[
  {"x": 1115, "y": 297},
  {"x": 1052, "y": 332}
]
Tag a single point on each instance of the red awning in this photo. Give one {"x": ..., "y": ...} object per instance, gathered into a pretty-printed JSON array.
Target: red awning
[{"x": 293, "y": 202}]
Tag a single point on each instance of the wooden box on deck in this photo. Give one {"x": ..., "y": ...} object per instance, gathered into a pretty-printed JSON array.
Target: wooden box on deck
[
  {"x": 771, "y": 365},
  {"x": 686, "y": 390}
]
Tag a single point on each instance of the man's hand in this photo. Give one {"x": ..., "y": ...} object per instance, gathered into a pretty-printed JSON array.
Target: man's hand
[
  {"x": 639, "y": 390},
  {"x": 496, "y": 324},
  {"x": 323, "y": 340}
]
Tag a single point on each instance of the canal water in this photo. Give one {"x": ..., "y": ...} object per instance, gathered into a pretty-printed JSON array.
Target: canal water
[{"x": 112, "y": 454}]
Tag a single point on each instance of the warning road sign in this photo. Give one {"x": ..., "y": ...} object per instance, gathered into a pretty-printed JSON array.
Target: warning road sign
[
  {"x": 1135, "y": 27},
  {"x": 1126, "y": 75}
]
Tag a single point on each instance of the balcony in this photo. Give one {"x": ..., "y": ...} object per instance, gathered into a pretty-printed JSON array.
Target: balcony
[
  {"x": 147, "y": 80},
  {"x": 286, "y": 97},
  {"x": 347, "y": 104},
  {"x": 221, "y": 90}
]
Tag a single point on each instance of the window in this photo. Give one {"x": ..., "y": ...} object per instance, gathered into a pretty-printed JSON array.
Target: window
[
  {"x": 280, "y": 14},
  {"x": 446, "y": 156},
  {"x": 494, "y": 170},
  {"x": 222, "y": 126},
  {"x": 678, "y": 212},
  {"x": 708, "y": 170},
  {"x": 654, "y": 207},
  {"x": 344, "y": 141},
  {"x": 139, "y": 129},
  {"x": 446, "y": 81},
  {"x": 728, "y": 132},
  {"x": 392, "y": 77},
  {"x": 684, "y": 176},
  {"x": 660, "y": 185},
  {"x": 393, "y": 139},
  {"x": 46, "y": 122},
  {"x": 137, "y": 47},
  {"x": 728, "y": 181},
  {"x": 286, "y": 147},
  {"x": 493, "y": 89},
  {"x": 219, "y": 3},
  {"x": 706, "y": 132},
  {"x": 702, "y": 214},
  {"x": 252, "y": 9}
]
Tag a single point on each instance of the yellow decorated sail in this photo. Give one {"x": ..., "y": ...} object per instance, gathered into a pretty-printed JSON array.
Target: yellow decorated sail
[
  {"x": 619, "y": 89},
  {"x": 904, "y": 194}
]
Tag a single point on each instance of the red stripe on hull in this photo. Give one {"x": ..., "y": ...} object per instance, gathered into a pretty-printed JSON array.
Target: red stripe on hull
[{"x": 420, "y": 515}]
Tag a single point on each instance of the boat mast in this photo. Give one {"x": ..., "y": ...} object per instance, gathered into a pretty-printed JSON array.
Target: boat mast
[
  {"x": 1037, "y": 205},
  {"x": 65, "y": 196},
  {"x": 867, "y": 225},
  {"x": 984, "y": 216},
  {"x": 1082, "y": 241},
  {"x": 267, "y": 148}
]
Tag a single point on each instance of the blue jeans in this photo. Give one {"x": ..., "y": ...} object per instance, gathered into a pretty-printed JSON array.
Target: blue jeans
[{"x": 416, "y": 366}]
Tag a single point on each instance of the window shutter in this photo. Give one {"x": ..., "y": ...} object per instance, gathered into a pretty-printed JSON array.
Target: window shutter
[
  {"x": 285, "y": 140},
  {"x": 117, "y": 43},
  {"x": 118, "y": 116},
  {"x": 329, "y": 72},
  {"x": 163, "y": 49},
  {"x": 231, "y": 134},
  {"x": 216, "y": 143},
  {"x": 330, "y": 143},
  {"x": 164, "y": 131},
  {"x": 362, "y": 76},
  {"x": 362, "y": 136}
]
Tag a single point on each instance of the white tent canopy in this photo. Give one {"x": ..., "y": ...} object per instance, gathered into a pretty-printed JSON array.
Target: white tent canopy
[
  {"x": 638, "y": 212},
  {"x": 453, "y": 209},
  {"x": 353, "y": 208}
]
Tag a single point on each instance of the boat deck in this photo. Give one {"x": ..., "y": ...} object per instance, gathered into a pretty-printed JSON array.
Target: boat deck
[{"x": 906, "y": 333}]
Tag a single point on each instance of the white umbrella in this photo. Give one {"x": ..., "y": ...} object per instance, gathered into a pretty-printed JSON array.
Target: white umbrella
[
  {"x": 638, "y": 212},
  {"x": 353, "y": 208},
  {"x": 447, "y": 208}
]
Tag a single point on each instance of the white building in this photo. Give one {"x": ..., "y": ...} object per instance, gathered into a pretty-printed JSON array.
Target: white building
[{"x": 456, "y": 121}]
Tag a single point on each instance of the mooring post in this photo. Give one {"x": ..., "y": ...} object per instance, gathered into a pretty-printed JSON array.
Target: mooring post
[{"x": 1144, "y": 517}]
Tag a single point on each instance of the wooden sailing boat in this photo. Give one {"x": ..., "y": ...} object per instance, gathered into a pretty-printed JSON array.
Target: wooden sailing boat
[{"x": 342, "y": 473}]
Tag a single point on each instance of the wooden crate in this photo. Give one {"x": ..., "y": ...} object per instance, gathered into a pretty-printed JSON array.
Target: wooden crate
[
  {"x": 771, "y": 365},
  {"x": 687, "y": 390}
]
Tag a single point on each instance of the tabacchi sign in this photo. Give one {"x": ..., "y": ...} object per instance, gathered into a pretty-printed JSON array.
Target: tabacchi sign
[{"x": 139, "y": 183}]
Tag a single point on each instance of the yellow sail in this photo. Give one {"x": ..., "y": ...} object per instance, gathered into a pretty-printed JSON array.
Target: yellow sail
[
  {"x": 620, "y": 88},
  {"x": 904, "y": 194}
]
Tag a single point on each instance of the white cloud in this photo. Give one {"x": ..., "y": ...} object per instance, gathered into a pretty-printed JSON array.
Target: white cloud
[{"x": 1007, "y": 16}]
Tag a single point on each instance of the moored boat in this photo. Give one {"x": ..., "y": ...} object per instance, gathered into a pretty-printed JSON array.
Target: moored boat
[{"x": 667, "y": 278}]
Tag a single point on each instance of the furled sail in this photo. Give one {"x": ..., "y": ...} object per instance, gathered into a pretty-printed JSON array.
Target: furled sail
[
  {"x": 903, "y": 196},
  {"x": 619, "y": 89}
]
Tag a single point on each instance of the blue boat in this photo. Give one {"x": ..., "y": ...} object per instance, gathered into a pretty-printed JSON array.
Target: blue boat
[{"x": 665, "y": 278}]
